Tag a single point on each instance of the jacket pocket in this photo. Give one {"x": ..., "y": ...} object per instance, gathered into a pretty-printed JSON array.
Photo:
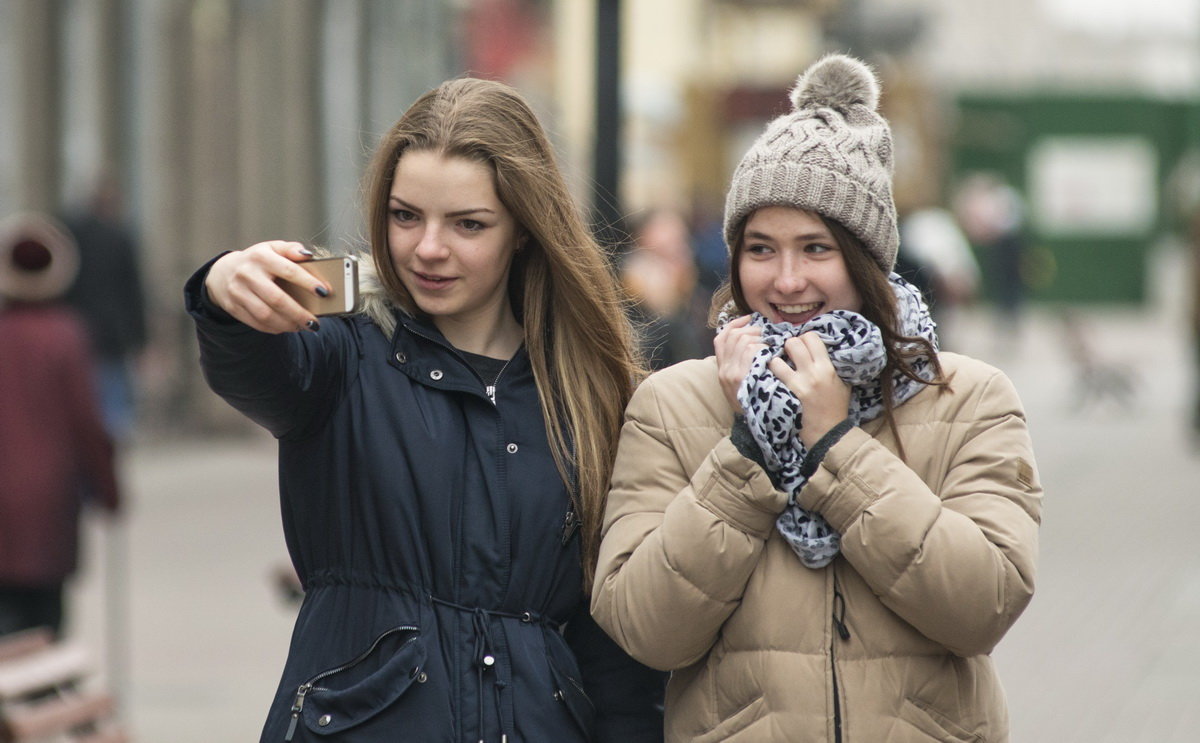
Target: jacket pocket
[
  {"x": 936, "y": 725},
  {"x": 569, "y": 691},
  {"x": 349, "y": 694},
  {"x": 735, "y": 723}
]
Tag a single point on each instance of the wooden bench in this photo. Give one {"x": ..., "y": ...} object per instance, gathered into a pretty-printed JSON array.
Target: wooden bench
[{"x": 44, "y": 694}]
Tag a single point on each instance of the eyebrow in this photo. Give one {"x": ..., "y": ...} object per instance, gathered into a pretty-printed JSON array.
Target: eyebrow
[{"x": 456, "y": 213}]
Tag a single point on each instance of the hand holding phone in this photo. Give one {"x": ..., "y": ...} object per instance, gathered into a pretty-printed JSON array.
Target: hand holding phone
[
  {"x": 256, "y": 286},
  {"x": 340, "y": 273}
]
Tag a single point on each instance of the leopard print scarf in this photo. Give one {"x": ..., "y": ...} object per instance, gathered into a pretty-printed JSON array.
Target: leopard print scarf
[{"x": 773, "y": 413}]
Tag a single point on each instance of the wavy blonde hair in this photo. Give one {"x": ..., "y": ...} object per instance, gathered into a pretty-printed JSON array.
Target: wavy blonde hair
[{"x": 561, "y": 286}]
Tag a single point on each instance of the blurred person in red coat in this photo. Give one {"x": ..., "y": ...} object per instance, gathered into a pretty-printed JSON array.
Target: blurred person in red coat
[{"x": 54, "y": 451}]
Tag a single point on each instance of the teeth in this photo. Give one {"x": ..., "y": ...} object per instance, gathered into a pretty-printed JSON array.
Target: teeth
[{"x": 797, "y": 309}]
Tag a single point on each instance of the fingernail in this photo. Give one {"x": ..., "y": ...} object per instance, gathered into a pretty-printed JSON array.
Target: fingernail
[
  {"x": 306, "y": 251},
  {"x": 313, "y": 325},
  {"x": 322, "y": 291}
]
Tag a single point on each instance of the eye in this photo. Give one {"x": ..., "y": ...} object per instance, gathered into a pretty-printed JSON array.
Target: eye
[
  {"x": 759, "y": 249},
  {"x": 402, "y": 215},
  {"x": 472, "y": 225},
  {"x": 818, "y": 248}
]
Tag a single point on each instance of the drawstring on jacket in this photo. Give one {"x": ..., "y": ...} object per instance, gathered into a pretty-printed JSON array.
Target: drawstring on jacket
[
  {"x": 485, "y": 656},
  {"x": 484, "y": 662}
]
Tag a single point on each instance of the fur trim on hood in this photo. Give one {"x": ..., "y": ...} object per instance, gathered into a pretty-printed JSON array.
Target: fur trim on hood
[{"x": 374, "y": 302}]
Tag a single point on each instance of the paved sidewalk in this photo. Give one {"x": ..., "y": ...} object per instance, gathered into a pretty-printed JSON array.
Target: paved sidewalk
[{"x": 1109, "y": 651}]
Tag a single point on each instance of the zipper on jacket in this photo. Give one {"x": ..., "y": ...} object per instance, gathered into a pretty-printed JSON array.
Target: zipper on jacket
[
  {"x": 570, "y": 525},
  {"x": 311, "y": 684},
  {"x": 297, "y": 708},
  {"x": 839, "y": 624}
]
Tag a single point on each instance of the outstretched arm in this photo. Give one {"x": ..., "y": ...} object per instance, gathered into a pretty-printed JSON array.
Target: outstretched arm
[{"x": 251, "y": 350}]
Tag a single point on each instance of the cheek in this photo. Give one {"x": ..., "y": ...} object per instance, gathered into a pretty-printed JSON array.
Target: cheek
[
  {"x": 754, "y": 282},
  {"x": 850, "y": 298},
  {"x": 398, "y": 245}
]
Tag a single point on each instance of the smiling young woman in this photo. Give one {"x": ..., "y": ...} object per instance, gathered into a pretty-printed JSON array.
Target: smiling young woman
[
  {"x": 847, "y": 517},
  {"x": 791, "y": 267}
]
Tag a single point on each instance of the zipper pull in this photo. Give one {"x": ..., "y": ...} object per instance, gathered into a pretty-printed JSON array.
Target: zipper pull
[
  {"x": 570, "y": 525},
  {"x": 842, "y": 631},
  {"x": 297, "y": 708},
  {"x": 839, "y": 614},
  {"x": 491, "y": 392}
]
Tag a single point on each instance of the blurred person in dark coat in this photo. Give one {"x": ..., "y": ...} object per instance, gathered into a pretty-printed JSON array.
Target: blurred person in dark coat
[
  {"x": 992, "y": 216},
  {"x": 660, "y": 275},
  {"x": 935, "y": 256},
  {"x": 54, "y": 449},
  {"x": 109, "y": 296}
]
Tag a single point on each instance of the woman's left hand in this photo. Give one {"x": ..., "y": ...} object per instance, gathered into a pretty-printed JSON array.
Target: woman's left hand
[{"x": 823, "y": 395}]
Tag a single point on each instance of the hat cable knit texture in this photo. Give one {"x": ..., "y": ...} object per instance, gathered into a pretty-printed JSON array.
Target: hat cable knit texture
[{"x": 832, "y": 154}]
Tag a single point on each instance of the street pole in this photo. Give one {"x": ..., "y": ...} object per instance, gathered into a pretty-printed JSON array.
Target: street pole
[{"x": 606, "y": 160}]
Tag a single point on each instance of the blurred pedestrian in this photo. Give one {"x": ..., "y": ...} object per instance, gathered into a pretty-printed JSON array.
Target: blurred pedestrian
[
  {"x": 445, "y": 453},
  {"x": 936, "y": 257},
  {"x": 708, "y": 243},
  {"x": 660, "y": 276},
  {"x": 823, "y": 530},
  {"x": 992, "y": 215},
  {"x": 55, "y": 454},
  {"x": 109, "y": 295}
]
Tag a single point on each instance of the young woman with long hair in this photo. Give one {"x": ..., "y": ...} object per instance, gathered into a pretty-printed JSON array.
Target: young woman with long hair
[{"x": 444, "y": 451}]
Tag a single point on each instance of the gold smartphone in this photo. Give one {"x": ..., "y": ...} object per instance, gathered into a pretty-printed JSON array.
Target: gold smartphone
[{"x": 340, "y": 273}]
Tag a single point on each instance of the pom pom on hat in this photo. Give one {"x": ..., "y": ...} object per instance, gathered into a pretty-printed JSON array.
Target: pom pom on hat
[
  {"x": 831, "y": 155},
  {"x": 836, "y": 82}
]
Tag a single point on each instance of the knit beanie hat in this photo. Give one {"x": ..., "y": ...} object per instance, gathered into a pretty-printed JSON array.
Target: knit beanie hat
[
  {"x": 832, "y": 154},
  {"x": 38, "y": 259}
]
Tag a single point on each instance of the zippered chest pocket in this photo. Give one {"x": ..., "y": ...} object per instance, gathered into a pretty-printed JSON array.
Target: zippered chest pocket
[{"x": 353, "y": 692}]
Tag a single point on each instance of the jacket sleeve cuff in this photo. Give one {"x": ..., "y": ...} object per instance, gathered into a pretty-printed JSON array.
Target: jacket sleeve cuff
[
  {"x": 195, "y": 296},
  {"x": 839, "y": 500},
  {"x": 816, "y": 454},
  {"x": 739, "y": 491}
]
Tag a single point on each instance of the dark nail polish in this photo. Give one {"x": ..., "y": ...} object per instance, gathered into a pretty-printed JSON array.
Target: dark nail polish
[
  {"x": 307, "y": 252},
  {"x": 313, "y": 325},
  {"x": 322, "y": 291}
]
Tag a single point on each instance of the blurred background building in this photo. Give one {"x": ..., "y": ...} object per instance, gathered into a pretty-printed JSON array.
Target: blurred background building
[{"x": 226, "y": 122}]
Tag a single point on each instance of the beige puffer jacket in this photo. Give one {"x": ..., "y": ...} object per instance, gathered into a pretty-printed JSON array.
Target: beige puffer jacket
[{"x": 890, "y": 642}]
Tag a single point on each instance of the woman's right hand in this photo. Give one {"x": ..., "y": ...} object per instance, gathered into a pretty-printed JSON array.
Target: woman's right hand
[
  {"x": 243, "y": 284},
  {"x": 736, "y": 346}
]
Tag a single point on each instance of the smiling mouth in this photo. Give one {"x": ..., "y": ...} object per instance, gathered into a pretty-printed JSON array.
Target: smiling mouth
[{"x": 797, "y": 313}]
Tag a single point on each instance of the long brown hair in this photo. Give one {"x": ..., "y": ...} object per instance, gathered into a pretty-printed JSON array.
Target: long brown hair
[
  {"x": 561, "y": 286},
  {"x": 878, "y": 305}
]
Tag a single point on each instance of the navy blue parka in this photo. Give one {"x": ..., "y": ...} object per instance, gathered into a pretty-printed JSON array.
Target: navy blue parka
[{"x": 435, "y": 540}]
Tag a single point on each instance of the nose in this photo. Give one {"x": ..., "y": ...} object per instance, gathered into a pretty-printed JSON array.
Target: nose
[
  {"x": 792, "y": 277},
  {"x": 431, "y": 247}
]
